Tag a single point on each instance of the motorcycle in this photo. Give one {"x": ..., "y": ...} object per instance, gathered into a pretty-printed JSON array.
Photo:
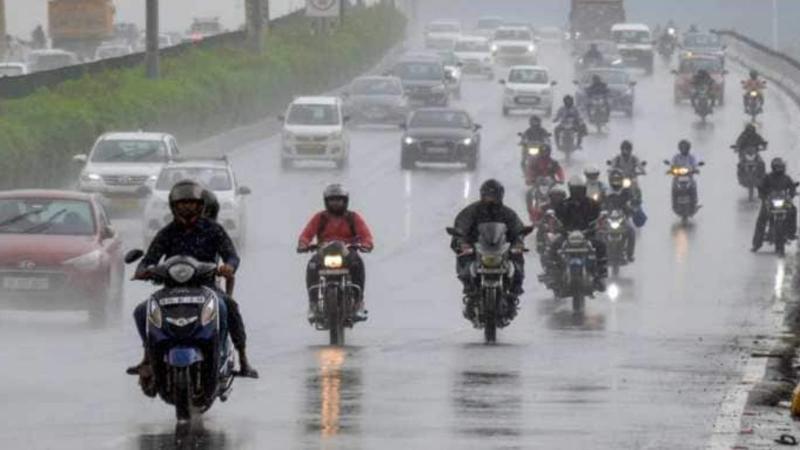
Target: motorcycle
[
  {"x": 753, "y": 103},
  {"x": 751, "y": 168},
  {"x": 192, "y": 362},
  {"x": 631, "y": 180},
  {"x": 684, "y": 190},
  {"x": 337, "y": 296},
  {"x": 568, "y": 137},
  {"x": 666, "y": 48},
  {"x": 595, "y": 190},
  {"x": 703, "y": 102},
  {"x": 577, "y": 261},
  {"x": 779, "y": 206},
  {"x": 598, "y": 112},
  {"x": 528, "y": 151},
  {"x": 493, "y": 270},
  {"x": 537, "y": 197},
  {"x": 612, "y": 226}
]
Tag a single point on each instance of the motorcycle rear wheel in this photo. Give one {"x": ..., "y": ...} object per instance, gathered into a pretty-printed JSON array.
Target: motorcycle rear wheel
[
  {"x": 490, "y": 316},
  {"x": 335, "y": 316}
]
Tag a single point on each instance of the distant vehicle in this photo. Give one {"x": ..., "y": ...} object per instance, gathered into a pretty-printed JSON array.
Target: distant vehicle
[
  {"x": 475, "y": 55},
  {"x": 111, "y": 50},
  {"x": 441, "y": 30},
  {"x": 121, "y": 164},
  {"x": 452, "y": 69},
  {"x": 126, "y": 32},
  {"x": 593, "y": 19},
  {"x": 11, "y": 69},
  {"x": 40, "y": 60},
  {"x": 214, "y": 174},
  {"x": 550, "y": 35},
  {"x": 635, "y": 44},
  {"x": 526, "y": 88},
  {"x": 376, "y": 100},
  {"x": 440, "y": 135},
  {"x": 620, "y": 83},
  {"x": 314, "y": 130},
  {"x": 424, "y": 78},
  {"x": 80, "y": 25},
  {"x": 164, "y": 40},
  {"x": 203, "y": 27},
  {"x": 514, "y": 45},
  {"x": 688, "y": 67},
  {"x": 700, "y": 44},
  {"x": 58, "y": 251},
  {"x": 611, "y": 55},
  {"x": 487, "y": 25}
]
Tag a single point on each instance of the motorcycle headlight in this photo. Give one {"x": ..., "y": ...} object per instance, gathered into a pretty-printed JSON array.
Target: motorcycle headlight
[
  {"x": 209, "y": 312},
  {"x": 333, "y": 261},
  {"x": 626, "y": 183},
  {"x": 753, "y": 93},
  {"x": 495, "y": 48},
  {"x": 409, "y": 140},
  {"x": 491, "y": 261},
  {"x": 533, "y": 151},
  {"x": 596, "y": 196},
  {"x": 154, "y": 314},
  {"x": 181, "y": 272},
  {"x": 467, "y": 141},
  {"x": 88, "y": 262},
  {"x": 614, "y": 224},
  {"x": 778, "y": 203}
]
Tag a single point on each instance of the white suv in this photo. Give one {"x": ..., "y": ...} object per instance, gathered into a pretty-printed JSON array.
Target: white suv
[
  {"x": 314, "y": 130},
  {"x": 120, "y": 164},
  {"x": 514, "y": 45},
  {"x": 214, "y": 174},
  {"x": 528, "y": 87}
]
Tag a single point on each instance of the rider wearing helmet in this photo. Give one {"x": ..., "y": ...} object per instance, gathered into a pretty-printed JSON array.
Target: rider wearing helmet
[
  {"x": 192, "y": 234},
  {"x": 569, "y": 111},
  {"x": 598, "y": 88},
  {"x": 536, "y": 133},
  {"x": 774, "y": 182},
  {"x": 702, "y": 80},
  {"x": 594, "y": 186},
  {"x": 211, "y": 210},
  {"x": 630, "y": 166},
  {"x": 754, "y": 83},
  {"x": 336, "y": 223},
  {"x": 750, "y": 138},
  {"x": 621, "y": 198},
  {"x": 593, "y": 56},
  {"x": 543, "y": 165},
  {"x": 685, "y": 159},
  {"x": 488, "y": 209}
]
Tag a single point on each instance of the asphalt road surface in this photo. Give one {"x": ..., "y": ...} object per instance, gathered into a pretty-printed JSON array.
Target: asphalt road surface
[{"x": 646, "y": 368}]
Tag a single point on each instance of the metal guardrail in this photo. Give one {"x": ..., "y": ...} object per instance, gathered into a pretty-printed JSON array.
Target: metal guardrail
[
  {"x": 21, "y": 86},
  {"x": 777, "y": 67}
]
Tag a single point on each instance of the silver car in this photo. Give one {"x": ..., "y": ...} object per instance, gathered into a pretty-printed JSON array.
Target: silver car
[{"x": 376, "y": 100}]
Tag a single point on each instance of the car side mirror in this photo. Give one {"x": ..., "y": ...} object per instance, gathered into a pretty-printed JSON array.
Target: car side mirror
[
  {"x": 553, "y": 83},
  {"x": 503, "y": 82},
  {"x": 608, "y": 162},
  {"x": 346, "y": 119},
  {"x": 106, "y": 233},
  {"x": 666, "y": 162},
  {"x": 403, "y": 126},
  {"x": 244, "y": 190},
  {"x": 81, "y": 158},
  {"x": 701, "y": 163},
  {"x": 476, "y": 127},
  {"x": 644, "y": 163},
  {"x": 133, "y": 256}
]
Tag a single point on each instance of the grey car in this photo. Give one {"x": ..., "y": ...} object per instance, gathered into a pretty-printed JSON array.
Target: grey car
[
  {"x": 620, "y": 84},
  {"x": 440, "y": 135},
  {"x": 425, "y": 80},
  {"x": 376, "y": 100}
]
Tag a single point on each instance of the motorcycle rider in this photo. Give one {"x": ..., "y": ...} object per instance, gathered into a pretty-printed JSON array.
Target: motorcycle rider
[
  {"x": 593, "y": 56},
  {"x": 488, "y": 209},
  {"x": 336, "y": 223},
  {"x": 192, "y": 234},
  {"x": 621, "y": 198},
  {"x": 630, "y": 165},
  {"x": 543, "y": 165},
  {"x": 685, "y": 159},
  {"x": 569, "y": 111},
  {"x": 594, "y": 183},
  {"x": 754, "y": 83},
  {"x": 702, "y": 80},
  {"x": 598, "y": 88},
  {"x": 548, "y": 224},
  {"x": 775, "y": 181},
  {"x": 749, "y": 138},
  {"x": 536, "y": 133}
]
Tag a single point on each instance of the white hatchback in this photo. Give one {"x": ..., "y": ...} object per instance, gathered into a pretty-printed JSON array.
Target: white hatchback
[
  {"x": 475, "y": 54},
  {"x": 528, "y": 88},
  {"x": 314, "y": 130},
  {"x": 514, "y": 45}
]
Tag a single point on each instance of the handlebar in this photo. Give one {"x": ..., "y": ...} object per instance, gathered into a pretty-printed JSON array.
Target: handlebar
[{"x": 315, "y": 247}]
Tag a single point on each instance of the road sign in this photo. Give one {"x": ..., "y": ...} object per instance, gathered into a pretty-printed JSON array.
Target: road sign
[{"x": 323, "y": 8}]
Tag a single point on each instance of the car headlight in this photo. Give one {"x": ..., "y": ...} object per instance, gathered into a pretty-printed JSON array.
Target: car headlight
[
  {"x": 152, "y": 178},
  {"x": 491, "y": 260},
  {"x": 88, "y": 261},
  {"x": 154, "y": 314},
  {"x": 531, "y": 48},
  {"x": 333, "y": 261},
  {"x": 91, "y": 177},
  {"x": 467, "y": 141},
  {"x": 409, "y": 140},
  {"x": 181, "y": 272},
  {"x": 495, "y": 48},
  {"x": 778, "y": 202},
  {"x": 209, "y": 311}
]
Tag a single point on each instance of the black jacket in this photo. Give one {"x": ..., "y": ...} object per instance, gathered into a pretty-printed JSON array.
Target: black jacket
[
  {"x": 577, "y": 214},
  {"x": 776, "y": 183},
  {"x": 747, "y": 140},
  {"x": 205, "y": 241},
  {"x": 622, "y": 199},
  {"x": 536, "y": 135},
  {"x": 597, "y": 90},
  {"x": 479, "y": 213}
]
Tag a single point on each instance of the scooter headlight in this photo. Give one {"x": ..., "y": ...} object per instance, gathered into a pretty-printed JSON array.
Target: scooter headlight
[
  {"x": 627, "y": 182},
  {"x": 333, "y": 261},
  {"x": 491, "y": 261},
  {"x": 753, "y": 93},
  {"x": 614, "y": 224},
  {"x": 778, "y": 203},
  {"x": 154, "y": 314},
  {"x": 209, "y": 312},
  {"x": 533, "y": 151},
  {"x": 181, "y": 272}
]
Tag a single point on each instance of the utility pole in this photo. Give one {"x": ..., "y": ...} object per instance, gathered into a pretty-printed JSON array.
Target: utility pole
[
  {"x": 775, "y": 32},
  {"x": 255, "y": 23},
  {"x": 3, "y": 41},
  {"x": 151, "y": 56}
]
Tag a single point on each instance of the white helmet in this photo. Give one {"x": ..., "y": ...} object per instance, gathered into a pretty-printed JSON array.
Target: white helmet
[{"x": 591, "y": 172}]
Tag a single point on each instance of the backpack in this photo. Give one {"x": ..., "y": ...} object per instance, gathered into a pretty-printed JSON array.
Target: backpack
[{"x": 348, "y": 216}]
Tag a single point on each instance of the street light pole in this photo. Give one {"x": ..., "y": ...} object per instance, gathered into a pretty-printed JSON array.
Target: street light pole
[
  {"x": 151, "y": 56},
  {"x": 775, "y": 33},
  {"x": 3, "y": 41}
]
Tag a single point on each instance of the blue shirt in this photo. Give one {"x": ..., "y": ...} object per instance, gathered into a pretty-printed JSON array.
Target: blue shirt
[{"x": 205, "y": 240}]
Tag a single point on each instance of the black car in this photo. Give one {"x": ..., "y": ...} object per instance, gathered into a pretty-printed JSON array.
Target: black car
[
  {"x": 620, "y": 84},
  {"x": 425, "y": 80},
  {"x": 441, "y": 135}
]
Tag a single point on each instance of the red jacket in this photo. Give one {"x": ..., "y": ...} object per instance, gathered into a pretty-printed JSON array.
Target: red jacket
[
  {"x": 543, "y": 167},
  {"x": 337, "y": 228}
]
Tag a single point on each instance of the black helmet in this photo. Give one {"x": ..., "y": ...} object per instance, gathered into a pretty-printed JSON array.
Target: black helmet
[
  {"x": 778, "y": 166},
  {"x": 749, "y": 128},
  {"x": 596, "y": 79},
  {"x": 626, "y": 147},
  {"x": 186, "y": 191},
  {"x": 336, "y": 191},
  {"x": 577, "y": 186},
  {"x": 684, "y": 146},
  {"x": 754, "y": 74},
  {"x": 616, "y": 179},
  {"x": 535, "y": 121},
  {"x": 492, "y": 189},
  {"x": 211, "y": 210},
  {"x": 568, "y": 101}
]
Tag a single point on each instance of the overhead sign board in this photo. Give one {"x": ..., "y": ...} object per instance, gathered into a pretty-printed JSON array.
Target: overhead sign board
[{"x": 323, "y": 8}]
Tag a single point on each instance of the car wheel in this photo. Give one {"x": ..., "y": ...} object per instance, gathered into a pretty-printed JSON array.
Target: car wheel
[
  {"x": 472, "y": 161},
  {"x": 407, "y": 160}
]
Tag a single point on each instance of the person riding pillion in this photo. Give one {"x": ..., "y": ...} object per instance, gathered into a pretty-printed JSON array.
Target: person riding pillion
[
  {"x": 774, "y": 182},
  {"x": 336, "y": 223}
]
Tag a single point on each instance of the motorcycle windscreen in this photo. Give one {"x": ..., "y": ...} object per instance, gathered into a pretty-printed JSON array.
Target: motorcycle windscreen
[
  {"x": 184, "y": 356},
  {"x": 492, "y": 237}
]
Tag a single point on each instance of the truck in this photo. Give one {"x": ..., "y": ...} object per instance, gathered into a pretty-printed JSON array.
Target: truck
[
  {"x": 593, "y": 19},
  {"x": 80, "y": 25}
]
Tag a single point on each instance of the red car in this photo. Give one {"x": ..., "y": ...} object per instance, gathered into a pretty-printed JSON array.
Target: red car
[
  {"x": 689, "y": 66},
  {"x": 59, "y": 252}
]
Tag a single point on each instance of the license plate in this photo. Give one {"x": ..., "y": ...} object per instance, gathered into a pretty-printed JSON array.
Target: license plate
[
  {"x": 684, "y": 200},
  {"x": 26, "y": 284},
  {"x": 126, "y": 203},
  {"x": 527, "y": 100},
  {"x": 438, "y": 150}
]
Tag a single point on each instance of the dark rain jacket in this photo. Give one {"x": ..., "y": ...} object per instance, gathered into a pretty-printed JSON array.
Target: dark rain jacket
[{"x": 479, "y": 213}]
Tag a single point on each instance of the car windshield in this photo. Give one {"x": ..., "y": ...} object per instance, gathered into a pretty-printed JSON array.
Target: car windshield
[
  {"x": 129, "y": 151},
  {"x": 527, "y": 76},
  {"x": 318, "y": 115},
  {"x": 632, "y": 37},
  {"x": 52, "y": 61},
  {"x": 472, "y": 46},
  {"x": 216, "y": 179},
  {"x": 512, "y": 35},
  {"x": 419, "y": 71},
  {"x": 11, "y": 71},
  {"x": 701, "y": 41},
  {"x": 489, "y": 23},
  {"x": 46, "y": 216},
  {"x": 442, "y": 27},
  {"x": 695, "y": 64},
  {"x": 376, "y": 87},
  {"x": 608, "y": 77},
  {"x": 440, "y": 119}
]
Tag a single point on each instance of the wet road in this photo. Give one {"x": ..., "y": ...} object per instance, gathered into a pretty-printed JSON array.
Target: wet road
[{"x": 647, "y": 368}]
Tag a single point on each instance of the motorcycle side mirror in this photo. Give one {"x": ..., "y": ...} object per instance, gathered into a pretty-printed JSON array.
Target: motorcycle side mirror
[
  {"x": 244, "y": 190},
  {"x": 608, "y": 162},
  {"x": 133, "y": 256},
  {"x": 80, "y": 158},
  {"x": 667, "y": 162},
  {"x": 526, "y": 230},
  {"x": 455, "y": 232},
  {"x": 503, "y": 82},
  {"x": 701, "y": 163},
  {"x": 553, "y": 83},
  {"x": 519, "y": 134},
  {"x": 477, "y": 127},
  {"x": 644, "y": 163}
]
